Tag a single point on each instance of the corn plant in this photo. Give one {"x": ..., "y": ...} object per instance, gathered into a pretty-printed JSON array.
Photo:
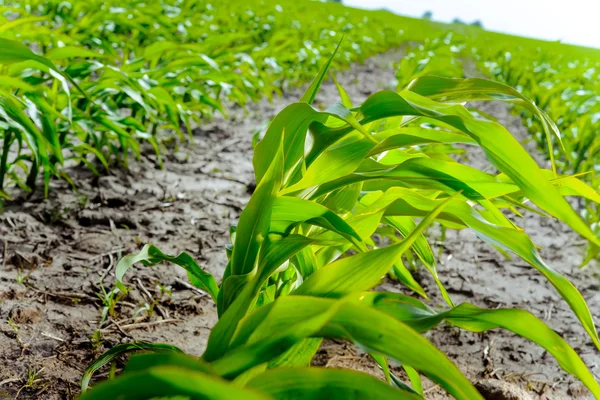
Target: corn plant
[
  {"x": 342, "y": 194},
  {"x": 562, "y": 81}
]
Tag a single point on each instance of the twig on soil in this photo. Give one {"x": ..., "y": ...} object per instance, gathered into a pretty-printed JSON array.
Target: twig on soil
[
  {"x": 440, "y": 243},
  {"x": 465, "y": 278},
  {"x": 69, "y": 362},
  {"x": 67, "y": 295},
  {"x": 80, "y": 296},
  {"x": 223, "y": 177},
  {"x": 51, "y": 336},
  {"x": 69, "y": 383},
  {"x": 115, "y": 323},
  {"x": 42, "y": 390},
  {"x": 5, "y": 254},
  {"x": 144, "y": 324},
  {"x": 523, "y": 266},
  {"x": 579, "y": 243},
  {"x": 191, "y": 287},
  {"x": 338, "y": 358},
  {"x": 431, "y": 389},
  {"x": 99, "y": 256},
  {"x": 151, "y": 299},
  {"x": 108, "y": 253},
  {"x": 9, "y": 380},
  {"x": 548, "y": 312},
  {"x": 11, "y": 223},
  {"x": 124, "y": 320},
  {"x": 111, "y": 264},
  {"x": 525, "y": 375},
  {"x": 164, "y": 189},
  {"x": 494, "y": 373},
  {"x": 230, "y": 204}
]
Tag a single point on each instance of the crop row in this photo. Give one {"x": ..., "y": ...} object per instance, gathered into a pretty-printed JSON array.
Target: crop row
[
  {"x": 148, "y": 71},
  {"x": 344, "y": 195},
  {"x": 561, "y": 80}
]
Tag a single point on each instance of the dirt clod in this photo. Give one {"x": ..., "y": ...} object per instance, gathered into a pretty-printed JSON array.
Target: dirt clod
[
  {"x": 495, "y": 389},
  {"x": 26, "y": 315}
]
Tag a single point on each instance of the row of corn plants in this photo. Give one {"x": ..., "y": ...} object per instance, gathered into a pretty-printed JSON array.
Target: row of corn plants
[
  {"x": 150, "y": 72},
  {"x": 561, "y": 80},
  {"x": 342, "y": 195}
]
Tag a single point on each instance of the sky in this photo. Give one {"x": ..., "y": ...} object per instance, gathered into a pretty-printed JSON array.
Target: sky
[{"x": 571, "y": 21}]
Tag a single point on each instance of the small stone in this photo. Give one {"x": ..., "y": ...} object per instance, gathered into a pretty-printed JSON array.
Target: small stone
[{"x": 494, "y": 389}]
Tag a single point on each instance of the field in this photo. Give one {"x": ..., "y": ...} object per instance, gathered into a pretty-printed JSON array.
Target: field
[{"x": 259, "y": 203}]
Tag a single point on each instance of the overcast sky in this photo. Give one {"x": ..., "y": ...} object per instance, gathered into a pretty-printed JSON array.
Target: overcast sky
[{"x": 571, "y": 21}]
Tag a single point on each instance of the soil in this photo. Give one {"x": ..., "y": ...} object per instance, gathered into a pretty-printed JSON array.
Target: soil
[{"x": 58, "y": 256}]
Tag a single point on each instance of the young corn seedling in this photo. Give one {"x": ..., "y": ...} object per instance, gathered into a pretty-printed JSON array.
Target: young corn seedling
[{"x": 303, "y": 264}]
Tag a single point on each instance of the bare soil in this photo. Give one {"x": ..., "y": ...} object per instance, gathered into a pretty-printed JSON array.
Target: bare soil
[{"x": 58, "y": 255}]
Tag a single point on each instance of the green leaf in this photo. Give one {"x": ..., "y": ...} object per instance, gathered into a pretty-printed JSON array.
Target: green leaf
[
  {"x": 414, "y": 136},
  {"x": 13, "y": 52},
  {"x": 405, "y": 225},
  {"x": 402, "y": 274},
  {"x": 255, "y": 220},
  {"x": 343, "y": 94},
  {"x": 325, "y": 384},
  {"x": 299, "y": 355},
  {"x": 272, "y": 329},
  {"x": 13, "y": 114},
  {"x": 362, "y": 271},
  {"x": 284, "y": 334},
  {"x": 288, "y": 128},
  {"x": 405, "y": 202},
  {"x": 333, "y": 164},
  {"x": 61, "y": 53},
  {"x": 415, "y": 379},
  {"x": 170, "y": 381},
  {"x": 476, "y": 89},
  {"x": 289, "y": 211},
  {"x": 571, "y": 186},
  {"x": 500, "y": 147},
  {"x": 391, "y": 378},
  {"x": 19, "y": 22},
  {"x": 276, "y": 252},
  {"x": 313, "y": 88},
  {"x": 144, "y": 361},
  {"x": 475, "y": 319},
  {"x": 118, "y": 350},
  {"x": 152, "y": 255}
]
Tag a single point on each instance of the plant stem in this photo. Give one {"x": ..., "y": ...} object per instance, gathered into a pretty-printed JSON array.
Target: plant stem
[{"x": 4, "y": 158}]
